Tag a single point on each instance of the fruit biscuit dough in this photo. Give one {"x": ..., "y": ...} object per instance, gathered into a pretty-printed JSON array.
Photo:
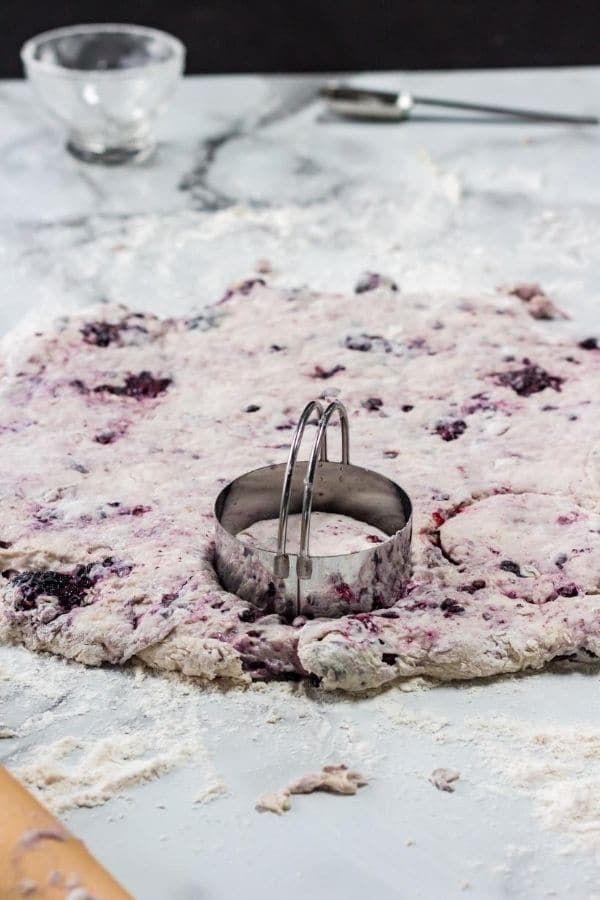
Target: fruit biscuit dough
[{"x": 119, "y": 429}]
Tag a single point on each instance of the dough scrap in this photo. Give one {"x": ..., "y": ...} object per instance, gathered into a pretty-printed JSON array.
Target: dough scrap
[
  {"x": 275, "y": 801},
  {"x": 118, "y": 429},
  {"x": 443, "y": 779},
  {"x": 332, "y": 779}
]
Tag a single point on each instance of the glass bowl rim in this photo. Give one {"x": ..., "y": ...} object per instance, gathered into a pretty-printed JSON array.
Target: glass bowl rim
[{"x": 30, "y": 46}]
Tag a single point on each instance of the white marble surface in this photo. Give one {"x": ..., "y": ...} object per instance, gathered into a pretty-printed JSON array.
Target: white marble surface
[{"x": 251, "y": 168}]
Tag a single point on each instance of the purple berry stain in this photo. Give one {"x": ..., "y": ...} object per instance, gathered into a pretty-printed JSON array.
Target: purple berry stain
[
  {"x": 345, "y": 592},
  {"x": 481, "y": 403},
  {"x": 320, "y": 372},
  {"x": 140, "y": 510},
  {"x": 69, "y": 589},
  {"x": 450, "y": 431},
  {"x": 473, "y": 587},
  {"x": 372, "y": 404},
  {"x": 244, "y": 288},
  {"x": 590, "y": 343},
  {"x": 531, "y": 379},
  {"x": 102, "y": 334},
  {"x": 363, "y": 343},
  {"x": 106, "y": 437},
  {"x": 142, "y": 386},
  {"x": 568, "y": 590},
  {"x": 370, "y": 281},
  {"x": 451, "y": 608}
]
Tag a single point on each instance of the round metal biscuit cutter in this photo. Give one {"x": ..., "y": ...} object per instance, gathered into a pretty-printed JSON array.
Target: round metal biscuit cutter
[{"x": 299, "y": 584}]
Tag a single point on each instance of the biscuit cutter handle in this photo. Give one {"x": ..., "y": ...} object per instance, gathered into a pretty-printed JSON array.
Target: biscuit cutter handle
[
  {"x": 304, "y": 565},
  {"x": 281, "y": 566}
]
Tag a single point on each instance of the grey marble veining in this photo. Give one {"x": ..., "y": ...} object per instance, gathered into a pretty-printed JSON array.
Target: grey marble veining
[{"x": 252, "y": 168}]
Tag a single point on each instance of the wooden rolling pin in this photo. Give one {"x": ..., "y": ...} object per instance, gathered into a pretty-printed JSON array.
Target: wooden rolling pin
[{"x": 40, "y": 859}]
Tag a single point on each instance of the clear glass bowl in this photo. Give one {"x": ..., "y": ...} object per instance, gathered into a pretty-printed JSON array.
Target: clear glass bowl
[{"x": 106, "y": 84}]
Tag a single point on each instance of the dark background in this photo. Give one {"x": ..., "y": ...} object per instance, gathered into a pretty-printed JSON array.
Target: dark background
[{"x": 322, "y": 35}]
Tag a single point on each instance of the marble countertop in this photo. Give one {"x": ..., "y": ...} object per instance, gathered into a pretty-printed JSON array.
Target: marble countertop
[{"x": 252, "y": 168}]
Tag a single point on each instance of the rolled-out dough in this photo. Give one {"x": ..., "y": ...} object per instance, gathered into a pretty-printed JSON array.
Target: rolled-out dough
[{"x": 117, "y": 431}]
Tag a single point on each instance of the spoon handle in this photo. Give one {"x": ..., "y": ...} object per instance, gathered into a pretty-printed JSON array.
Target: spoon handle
[
  {"x": 373, "y": 104},
  {"x": 532, "y": 115}
]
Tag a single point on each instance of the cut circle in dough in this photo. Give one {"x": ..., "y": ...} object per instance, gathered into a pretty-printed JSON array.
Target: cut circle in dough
[
  {"x": 330, "y": 534},
  {"x": 522, "y": 539}
]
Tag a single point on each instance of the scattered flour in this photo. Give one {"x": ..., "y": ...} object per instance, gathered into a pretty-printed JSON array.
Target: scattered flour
[
  {"x": 396, "y": 711},
  {"x": 556, "y": 766},
  {"x": 71, "y": 772},
  {"x": 215, "y": 789},
  {"x": 89, "y": 767}
]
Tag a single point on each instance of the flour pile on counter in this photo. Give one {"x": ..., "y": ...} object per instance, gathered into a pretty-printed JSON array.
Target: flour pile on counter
[
  {"x": 68, "y": 765},
  {"x": 119, "y": 429},
  {"x": 556, "y": 766},
  {"x": 74, "y": 772}
]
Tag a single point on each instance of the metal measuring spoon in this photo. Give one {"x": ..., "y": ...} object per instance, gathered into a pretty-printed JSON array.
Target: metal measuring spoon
[{"x": 361, "y": 103}]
